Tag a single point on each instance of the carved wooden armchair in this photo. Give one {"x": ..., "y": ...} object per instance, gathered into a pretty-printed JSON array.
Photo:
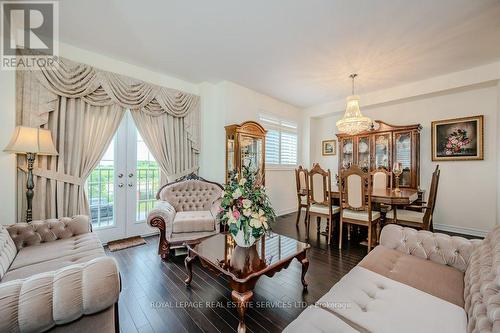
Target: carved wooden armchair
[{"x": 186, "y": 211}]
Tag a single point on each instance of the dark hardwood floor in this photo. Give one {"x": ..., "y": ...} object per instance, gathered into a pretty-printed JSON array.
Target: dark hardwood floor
[{"x": 155, "y": 299}]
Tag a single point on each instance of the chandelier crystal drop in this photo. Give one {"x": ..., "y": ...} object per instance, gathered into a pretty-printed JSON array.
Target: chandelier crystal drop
[{"x": 353, "y": 121}]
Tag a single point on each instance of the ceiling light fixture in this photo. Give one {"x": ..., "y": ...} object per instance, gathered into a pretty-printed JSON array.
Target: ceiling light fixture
[{"x": 353, "y": 121}]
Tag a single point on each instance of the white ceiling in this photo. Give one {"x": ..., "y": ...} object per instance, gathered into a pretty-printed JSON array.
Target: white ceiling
[{"x": 299, "y": 51}]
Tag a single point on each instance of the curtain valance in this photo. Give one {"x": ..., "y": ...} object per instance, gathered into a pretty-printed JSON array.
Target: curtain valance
[{"x": 101, "y": 88}]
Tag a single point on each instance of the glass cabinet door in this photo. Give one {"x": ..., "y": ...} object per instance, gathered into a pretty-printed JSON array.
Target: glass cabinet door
[
  {"x": 251, "y": 152},
  {"x": 382, "y": 151},
  {"x": 403, "y": 155},
  {"x": 347, "y": 152},
  {"x": 364, "y": 153}
]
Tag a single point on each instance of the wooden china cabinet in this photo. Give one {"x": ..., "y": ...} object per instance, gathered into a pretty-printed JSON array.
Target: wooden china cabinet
[
  {"x": 246, "y": 145},
  {"x": 380, "y": 147}
]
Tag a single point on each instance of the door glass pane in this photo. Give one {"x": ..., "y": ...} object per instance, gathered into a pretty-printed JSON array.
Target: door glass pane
[
  {"x": 364, "y": 153},
  {"x": 403, "y": 156},
  {"x": 100, "y": 190},
  {"x": 148, "y": 180},
  {"x": 382, "y": 151}
]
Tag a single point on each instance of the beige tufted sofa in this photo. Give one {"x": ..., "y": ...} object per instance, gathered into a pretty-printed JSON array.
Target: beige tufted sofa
[
  {"x": 414, "y": 281},
  {"x": 55, "y": 276},
  {"x": 186, "y": 211}
]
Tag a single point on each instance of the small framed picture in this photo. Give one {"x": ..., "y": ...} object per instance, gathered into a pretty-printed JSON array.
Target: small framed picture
[
  {"x": 458, "y": 139},
  {"x": 329, "y": 147}
]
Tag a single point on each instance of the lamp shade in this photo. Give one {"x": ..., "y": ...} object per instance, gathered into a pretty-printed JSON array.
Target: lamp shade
[{"x": 31, "y": 140}]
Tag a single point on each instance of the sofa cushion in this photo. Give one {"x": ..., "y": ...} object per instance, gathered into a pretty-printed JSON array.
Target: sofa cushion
[
  {"x": 379, "y": 304},
  {"x": 54, "y": 255},
  {"x": 438, "y": 280},
  {"x": 482, "y": 285},
  {"x": 193, "y": 221},
  {"x": 315, "y": 319},
  {"x": 7, "y": 251}
]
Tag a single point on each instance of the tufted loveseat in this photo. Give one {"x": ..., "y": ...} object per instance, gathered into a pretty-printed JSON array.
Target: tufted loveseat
[
  {"x": 55, "y": 276},
  {"x": 414, "y": 281},
  {"x": 186, "y": 210}
]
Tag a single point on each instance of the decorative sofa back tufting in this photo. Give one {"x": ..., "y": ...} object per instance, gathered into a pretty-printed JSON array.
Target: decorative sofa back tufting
[
  {"x": 414, "y": 281},
  {"x": 58, "y": 262}
]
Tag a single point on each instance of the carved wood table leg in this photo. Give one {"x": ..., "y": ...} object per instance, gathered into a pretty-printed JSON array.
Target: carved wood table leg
[
  {"x": 242, "y": 300},
  {"x": 305, "y": 266},
  {"x": 188, "y": 262}
]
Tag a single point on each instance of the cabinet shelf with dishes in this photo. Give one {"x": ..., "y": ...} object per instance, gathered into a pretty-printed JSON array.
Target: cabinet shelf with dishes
[{"x": 380, "y": 147}]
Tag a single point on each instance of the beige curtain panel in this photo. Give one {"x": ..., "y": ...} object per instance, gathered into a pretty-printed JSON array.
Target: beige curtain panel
[
  {"x": 83, "y": 107},
  {"x": 167, "y": 140}
]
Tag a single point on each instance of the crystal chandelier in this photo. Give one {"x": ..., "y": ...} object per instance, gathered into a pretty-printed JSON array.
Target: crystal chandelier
[{"x": 353, "y": 121}]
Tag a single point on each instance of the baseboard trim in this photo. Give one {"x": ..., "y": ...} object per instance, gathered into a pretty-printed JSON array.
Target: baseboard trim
[{"x": 460, "y": 230}]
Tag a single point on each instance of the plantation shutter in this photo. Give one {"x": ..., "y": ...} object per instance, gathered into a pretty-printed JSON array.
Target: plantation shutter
[{"x": 281, "y": 141}]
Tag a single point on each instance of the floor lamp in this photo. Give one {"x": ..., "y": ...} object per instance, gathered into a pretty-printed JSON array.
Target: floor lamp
[{"x": 31, "y": 142}]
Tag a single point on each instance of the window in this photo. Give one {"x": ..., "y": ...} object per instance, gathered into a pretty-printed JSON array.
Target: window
[{"x": 281, "y": 141}]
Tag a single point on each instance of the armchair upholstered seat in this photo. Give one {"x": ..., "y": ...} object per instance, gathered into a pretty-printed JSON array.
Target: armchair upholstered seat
[{"x": 186, "y": 211}]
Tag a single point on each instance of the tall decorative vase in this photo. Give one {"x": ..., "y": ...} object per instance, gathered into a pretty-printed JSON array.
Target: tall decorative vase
[{"x": 240, "y": 239}]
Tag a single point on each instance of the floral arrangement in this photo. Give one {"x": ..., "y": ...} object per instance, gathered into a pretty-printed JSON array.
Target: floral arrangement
[
  {"x": 245, "y": 207},
  {"x": 456, "y": 141}
]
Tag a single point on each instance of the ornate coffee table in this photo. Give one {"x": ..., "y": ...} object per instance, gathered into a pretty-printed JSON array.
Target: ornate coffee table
[{"x": 244, "y": 266}]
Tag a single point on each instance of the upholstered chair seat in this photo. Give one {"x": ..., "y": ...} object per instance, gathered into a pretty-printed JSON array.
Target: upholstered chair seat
[
  {"x": 407, "y": 215},
  {"x": 193, "y": 221},
  {"x": 323, "y": 209},
  {"x": 186, "y": 210},
  {"x": 359, "y": 215}
]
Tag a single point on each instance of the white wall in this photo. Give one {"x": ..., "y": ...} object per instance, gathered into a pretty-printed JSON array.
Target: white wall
[
  {"x": 228, "y": 103},
  {"x": 468, "y": 191}
]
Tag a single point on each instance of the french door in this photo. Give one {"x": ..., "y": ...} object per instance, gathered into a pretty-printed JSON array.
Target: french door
[{"x": 121, "y": 190}]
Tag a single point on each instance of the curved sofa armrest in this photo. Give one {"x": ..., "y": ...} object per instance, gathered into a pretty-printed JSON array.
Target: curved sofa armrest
[
  {"x": 162, "y": 217},
  {"x": 45, "y": 300},
  {"x": 40, "y": 231},
  {"x": 440, "y": 248}
]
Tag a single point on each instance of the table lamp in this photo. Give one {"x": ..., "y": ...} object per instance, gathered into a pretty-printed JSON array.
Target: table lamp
[{"x": 31, "y": 142}]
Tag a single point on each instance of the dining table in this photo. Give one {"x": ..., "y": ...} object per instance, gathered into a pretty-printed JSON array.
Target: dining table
[{"x": 388, "y": 196}]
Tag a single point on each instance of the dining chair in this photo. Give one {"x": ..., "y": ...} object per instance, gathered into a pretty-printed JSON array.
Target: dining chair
[
  {"x": 302, "y": 182},
  {"x": 381, "y": 179},
  {"x": 418, "y": 219},
  {"x": 320, "y": 184},
  {"x": 355, "y": 202}
]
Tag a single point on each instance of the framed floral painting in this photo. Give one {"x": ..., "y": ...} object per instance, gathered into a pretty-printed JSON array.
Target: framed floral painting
[
  {"x": 457, "y": 139},
  {"x": 329, "y": 148}
]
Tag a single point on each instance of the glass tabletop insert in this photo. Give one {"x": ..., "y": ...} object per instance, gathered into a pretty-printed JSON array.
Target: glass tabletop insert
[{"x": 240, "y": 262}]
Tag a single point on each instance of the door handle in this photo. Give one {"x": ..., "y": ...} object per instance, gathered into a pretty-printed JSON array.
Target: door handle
[
  {"x": 120, "y": 185},
  {"x": 130, "y": 185},
  {"x": 120, "y": 175},
  {"x": 130, "y": 175}
]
